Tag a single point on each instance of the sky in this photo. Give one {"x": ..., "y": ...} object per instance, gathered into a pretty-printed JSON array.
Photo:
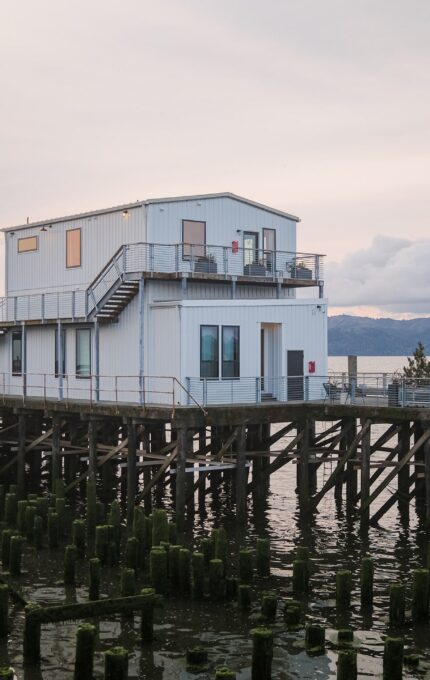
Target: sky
[{"x": 321, "y": 109}]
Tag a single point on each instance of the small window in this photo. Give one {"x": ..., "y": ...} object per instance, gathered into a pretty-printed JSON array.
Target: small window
[
  {"x": 230, "y": 352},
  {"x": 17, "y": 352},
  {"x": 193, "y": 239},
  {"x": 27, "y": 245},
  {"x": 63, "y": 352},
  {"x": 209, "y": 352},
  {"x": 83, "y": 352},
  {"x": 73, "y": 248}
]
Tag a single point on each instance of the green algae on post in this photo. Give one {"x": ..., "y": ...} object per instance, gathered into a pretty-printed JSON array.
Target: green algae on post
[
  {"x": 158, "y": 569},
  {"x": 53, "y": 530},
  {"x": 32, "y": 634},
  {"x": 38, "y": 532},
  {"x": 292, "y": 614},
  {"x": 147, "y": 615},
  {"x": 263, "y": 557},
  {"x": 347, "y": 665},
  {"x": 30, "y": 514},
  {"x": 128, "y": 582},
  {"x": 174, "y": 565},
  {"x": 131, "y": 556},
  {"x": 262, "y": 653},
  {"x": 196, "y": 658},
  {"x": 101, "y": 543},
  {"x": 20, "y": 518},
  {"x": 224, "y": 673},
  {"x": 269, "y": 604},
  {"x": 345, "y": 635},
  {"x": 84, "y": 657},
  {"x": 6, "y": 673},
  {"x": 116, "y": 664},
  {"x": 393, "y": 659},
  {"x": 160, "y": 527},
  {"x": 315, "y": 638},
  {"x": 79, "y": 537},
  {"x": 207, "y": 550},
  {"x": 6, "y": 535}
]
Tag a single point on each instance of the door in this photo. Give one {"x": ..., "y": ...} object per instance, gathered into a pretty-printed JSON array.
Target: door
[
  {"x": 295, "y": 372},
  {"x": 269, "y": 249},
  {"x": 270, "y": 354},
  {"x": 250, "y": 247}
]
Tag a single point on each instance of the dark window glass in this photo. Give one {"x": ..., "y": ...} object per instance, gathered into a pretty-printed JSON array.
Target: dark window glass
[
  {"x": 209, "y": 352},
  {"x": 16, "y": 352},
  {"x": 83, "y": 352},
  {"x": 63, "y": 352},
  {"x": 193, "y": 239},
  {"x": 230, "y": 352}
]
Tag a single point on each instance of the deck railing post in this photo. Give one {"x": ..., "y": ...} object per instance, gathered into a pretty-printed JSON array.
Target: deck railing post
[
  {"x": 353, "y": 389},
  {"x": 177, "y": 246},
  {"x": 225, "y": 258},
  {"x": 306, "y": 388},
  {"x": 73, "y": 304},
  {"x": 192, "y": 264},
  {"x": 151, "y": 257},
  {"x": 257, "y": 390},
  {"x": 188, "y": 384},
  {"x": 205, "y": 391}
]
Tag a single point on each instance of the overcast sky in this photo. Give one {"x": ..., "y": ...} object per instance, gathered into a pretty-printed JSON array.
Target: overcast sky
[{"x": 318, "y": 108}]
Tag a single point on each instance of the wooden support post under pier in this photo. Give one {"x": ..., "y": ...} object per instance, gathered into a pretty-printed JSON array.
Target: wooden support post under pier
[
  {"x": 92, "y": 447},
  {"x": 241, "y": 487},
  {"x": 55, "y": 450},
  {"x": 21, "y": 455},
  {"x": 303, "y": 464},
  {"x": 131, "y": 471},
  {"x": 182, "y": 452},
  {"x": 427, "y": 472},
  {"x": 365, "y": 473},
  {"x": 403, "y": 481}
]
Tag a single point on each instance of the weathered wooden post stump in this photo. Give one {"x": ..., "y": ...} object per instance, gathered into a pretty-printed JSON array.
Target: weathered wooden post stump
[
  {"x": 31, "y": 649},
  {"x": 184, "y": 571},
  {"x": 70, "y": 557},
  {"x": 345, "y": 635},
  {"x": 221, "y": 545},
  {"x": 196, "y": 657},
  {"x": 91, "y": 514},
  {"x": 420, "y": 594},
  {"x": 116, "y": 664},
  {"x": 30, "y": 514},
  {"x": 397, "y": 593},
  {"x": 94, "y": 587},
  {"x": 4, "y": 610},
  {"x": 263, "y": 557},
  {"x": 20, "y": 517},
  {"x": 6, "y": 535},
  {"x": 158, "y": 569},
  {"x": 160, "y": 527},
  {"x": 393, "y": 659},
  {"x": 10, "y": 508},
  {"x": 198, "y": 574},
  {"x": 231, "y": 585},
  {"x": 207, "y": 550},
  {"x": 300, "y": 577},
  {"x": 84, "y": 656},
  {"x": 269, "y": 604},
  {"x": 38, "y": 532},
  {"x": 15, "y": 557},
  {"x": 174, "y": 566},
  {"x": 128, "y": 582},
  {"x": 347, "y": 665},
  {"x": 262, "y": 653},
  {"x": 315, "y": 638},
  {"x": 79, "y": 537},
  {"x": 292, "y": 614},
  {"x": 53, "y": 530},
  {"x": 224, "y": 673},
  {"x": 147, "y": 618},
  {"x": 244, "y": 595},
  {"x": 6, "y": 673},
  {"x": 343, "y": 589},
  {"x": 246, "y": 565},
  {"x": 60, "y": 509},
  {"x": 216, "y": 579},
  {"x": 131, "y": 556},
  {"x": 366, "y": 581},
  {"x": 101, "y": 543}
]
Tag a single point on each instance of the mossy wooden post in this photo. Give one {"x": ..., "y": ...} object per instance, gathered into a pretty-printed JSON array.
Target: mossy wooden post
[
  {"x": 20, "y": 517},
  {"x": 2, "y": 497},
  {"x": 128, "y": 582},
  {"x": 131, "y": 471},
  {"x": 174, "y": 566},
  {"x": 315, "y": 638},
  {"x": 393, "y": 659},
  {"x": 139, "y": 532},
  {"x": 184, "y": 571},
  {"x": 70, "y": 557},
  {"x": 207, "y": 550},
  {"x": 246, "y": 565},
  {"x": 198, "y": 575},
  {"x": 365, "y": 473},
  {"x": 116, "y": 664},
  {"x": 347, "y": 665},
  {"x": 4, "y": 610},
  {"x": 262, "y": 653},
  {"x": 78, "y": 536},
  {"x": 131, "y": 556},
  {"x": 30, "y": 514},
  {"x": 397, "y": 603},
  {"x": 241, "y": 474},
  {"x": 158, "y": 569},
  {"x": 94, "y": 576},
  {"x": 42, "y": 506},
  {"x": 114, "y": 520},
  {"x": 10, "y": 509},
  {"x": 55, "y": 451},
  {"x": 101, "y": 543},
  {"x": 244, "y": 596},
  {"x": 224, "y": 673},
  {"x": 182, "y": 450},
  {"x": 148, "y": 533},
  {"x": 263, "y": 557},
  {"x": 420, "y": 594},
  {"x": 269, "y": 604},
  {"x": 196, "y": 657},
  {"x": 300, "y": 577},
  {"x": 343, "y": 589},
  {"x": 60, "y": 509},
  {"x": 84, "y": 657},
  {"x": 6, "y": 535},
  {"x": 345, "y": 635},
  {"x": 21, "y": 455},
  {"x": 292, "y": 614},
  {"x": 366, "y": 581},
  {"x": 53, "y": 530},
  {"x": 216, "y": 579},
  {"x": 7, "y": 673},
  {"x": 221, "y": 545},
  {"x": 31, "y": 650},
  {"x": 147, "y": 615},
  {"x": 91, "y": 506},
  {"x": 15, "y": 557},
  {"x": 38, "y": 532},
  {"x": 173, "y": 533},
  {"x": 160, "y": 527}
]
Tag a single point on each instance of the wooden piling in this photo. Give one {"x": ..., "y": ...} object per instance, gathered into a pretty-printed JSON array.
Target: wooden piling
[
  {"x": 241, "y": 491},
  {"x": 365, "y": 474},
  {"x": 21, "y": 455},
  {"x": 131, "y": 471},
  {"x": 55, "y": 451}
]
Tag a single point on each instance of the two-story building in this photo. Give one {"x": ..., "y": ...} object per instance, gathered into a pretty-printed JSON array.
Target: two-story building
[{"x": 162, "y": 301}]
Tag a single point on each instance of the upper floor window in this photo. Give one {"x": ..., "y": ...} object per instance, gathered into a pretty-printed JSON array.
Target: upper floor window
[
  {"x": 27, "y": 245},
  {"x": 193, "y": 239},
  {"x": 230, "y": 352},
  {"x": 73, "y": 248},
  {"x": 17, "y": 352},
  {"x": 209, "y": 352},
  {"x": 83, "y": 352}
]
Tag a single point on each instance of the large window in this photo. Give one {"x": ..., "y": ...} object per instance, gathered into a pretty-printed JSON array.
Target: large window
[
  {"x": 63, "y": 352},
  {"x": 27, "y": 245},
  {"x": 73, "y": 248},
  {"x": 193, "y": 239},
  {"x": 17, "y": 352},
  {"x": 209, "y": 352},
  {"x": 83, "y": 352},
  {"x": 230, "y": 352}
]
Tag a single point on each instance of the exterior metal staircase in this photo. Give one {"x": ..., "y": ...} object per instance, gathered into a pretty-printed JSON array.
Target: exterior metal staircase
[
  {"x": 111, "y": 291},
  {"x": 117, "y": 301}
]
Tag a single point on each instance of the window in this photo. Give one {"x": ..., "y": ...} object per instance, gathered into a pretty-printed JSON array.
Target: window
[
  {"x": 193, "y": 234},
  {"x": 63, "y": 352},
  {"x": 83, "y": 352},
  {"x": 230, "y": 352},
  {"x": 269, "y": 247},
  {"x": 17, "y": 352},
  {"x": 27, "y": 245},
  {"x": 73, "y": 248},
  {"x": 209, "y": 352}
]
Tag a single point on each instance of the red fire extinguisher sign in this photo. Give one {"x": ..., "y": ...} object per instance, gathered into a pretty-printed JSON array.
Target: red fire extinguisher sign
[{"x": 311, "y": 366}]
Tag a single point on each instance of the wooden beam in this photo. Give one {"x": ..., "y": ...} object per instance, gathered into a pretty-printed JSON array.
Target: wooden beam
[
  {"x": 100, "y": 462},
  {"x": 401, "y": 464},
  {"x": 158, "y": 474},
  {"x": 279, "y": 461},
  {"x": 392, "y": 500}
]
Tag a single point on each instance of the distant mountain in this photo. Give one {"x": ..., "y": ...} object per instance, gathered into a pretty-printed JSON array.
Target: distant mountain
[{"x": 376, "y": 337}]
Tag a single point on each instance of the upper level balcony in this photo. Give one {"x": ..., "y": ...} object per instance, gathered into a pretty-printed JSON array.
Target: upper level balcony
[{"x": 167, "y": 261}]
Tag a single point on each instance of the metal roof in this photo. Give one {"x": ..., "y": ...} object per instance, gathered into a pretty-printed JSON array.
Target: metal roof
[{"x": 149, "y": 201}]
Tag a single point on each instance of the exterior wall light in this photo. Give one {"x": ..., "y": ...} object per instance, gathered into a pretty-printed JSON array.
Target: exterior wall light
[
  {"x": 125, "y": 213},
  {"x": 43, "y": 229}
]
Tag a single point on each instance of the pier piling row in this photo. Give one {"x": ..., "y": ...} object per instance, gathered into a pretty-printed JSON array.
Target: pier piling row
[{"x": 190, "y": 452}]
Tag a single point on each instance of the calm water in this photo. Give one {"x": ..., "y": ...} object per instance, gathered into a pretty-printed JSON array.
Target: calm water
[{"x": 334, "y": 539}]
